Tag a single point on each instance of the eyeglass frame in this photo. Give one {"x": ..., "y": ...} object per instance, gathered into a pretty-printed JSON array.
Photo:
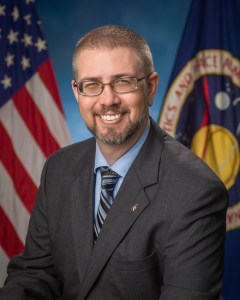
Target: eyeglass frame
[{"x": 111, "y": 83}]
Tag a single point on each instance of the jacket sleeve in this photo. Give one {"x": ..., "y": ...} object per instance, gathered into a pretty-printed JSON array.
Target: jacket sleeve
[
  {"x": 31, "y": 275},
  {"x": 194, "y": 251}
]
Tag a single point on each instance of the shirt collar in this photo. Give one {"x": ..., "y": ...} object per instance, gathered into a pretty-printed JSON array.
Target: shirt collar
[{"x": 122, "y": 165}]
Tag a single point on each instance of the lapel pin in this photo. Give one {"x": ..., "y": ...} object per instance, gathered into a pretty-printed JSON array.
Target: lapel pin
[{"x": 134, "y": 207}]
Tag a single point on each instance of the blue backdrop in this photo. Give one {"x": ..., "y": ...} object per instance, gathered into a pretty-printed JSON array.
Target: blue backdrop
[{"x": 65, "y": 21}]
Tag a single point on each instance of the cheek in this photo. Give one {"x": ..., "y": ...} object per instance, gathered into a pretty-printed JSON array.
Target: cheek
[
  {"x": 138, "y": 106},
  {"x": 85, "y": 109}
]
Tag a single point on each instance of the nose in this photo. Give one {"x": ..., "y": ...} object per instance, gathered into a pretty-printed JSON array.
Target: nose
[{"x": 108, "y": 97}]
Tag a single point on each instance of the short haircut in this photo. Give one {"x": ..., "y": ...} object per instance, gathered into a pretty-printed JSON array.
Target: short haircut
[{"x": 114, "y": 36}]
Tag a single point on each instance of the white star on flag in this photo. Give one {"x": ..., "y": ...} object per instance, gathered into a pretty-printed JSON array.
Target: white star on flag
[
  {"x": 2, "y": 10},
  {"x": 27, "y": 19},
  {"x": 27, "y": 40},
  {"x": 7, "y": 82},
  {"x": 15, "y": 14},
  {"x": 9, "y": 60},
  {"x": 12, "y": 37},
  {"x": 25, "y": 62},
  {"x": 41, "y": 44}
]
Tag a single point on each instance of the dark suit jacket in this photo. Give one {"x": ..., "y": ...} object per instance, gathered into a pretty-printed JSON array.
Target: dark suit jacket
[{"x": 163, "y": 237}]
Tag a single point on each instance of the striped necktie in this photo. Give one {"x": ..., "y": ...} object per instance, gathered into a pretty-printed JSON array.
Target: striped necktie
[{"x": 109, "y": 180}]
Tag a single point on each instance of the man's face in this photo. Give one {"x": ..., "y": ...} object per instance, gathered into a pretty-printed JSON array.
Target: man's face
[{"x": 113, "y": 118}]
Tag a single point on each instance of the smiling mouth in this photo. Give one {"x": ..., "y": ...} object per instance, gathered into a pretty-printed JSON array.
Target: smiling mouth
[{"x": 110, "y": 117}]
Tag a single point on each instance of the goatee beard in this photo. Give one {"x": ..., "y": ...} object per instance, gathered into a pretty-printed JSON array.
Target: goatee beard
[{"x": 113, "y": 138}]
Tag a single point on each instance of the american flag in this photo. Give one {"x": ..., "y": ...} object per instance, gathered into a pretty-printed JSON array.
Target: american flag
[{"x": 32, "y": 123}]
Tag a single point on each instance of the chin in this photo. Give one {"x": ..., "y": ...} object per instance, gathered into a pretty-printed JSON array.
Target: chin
[{"x": 111, "y": 136}]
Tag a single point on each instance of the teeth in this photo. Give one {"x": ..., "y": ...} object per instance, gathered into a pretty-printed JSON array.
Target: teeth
[{"x": 110, "y": 117}]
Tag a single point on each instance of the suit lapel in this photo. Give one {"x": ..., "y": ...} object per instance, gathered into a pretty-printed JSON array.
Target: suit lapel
[
  {"x": 119, "y": 220},
  {"x": 81, "y": 198},
  {"x": 129, "y": 203}
]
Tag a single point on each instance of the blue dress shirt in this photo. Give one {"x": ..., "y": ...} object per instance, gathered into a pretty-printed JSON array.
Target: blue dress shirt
[{"x": 121, "y": 166}]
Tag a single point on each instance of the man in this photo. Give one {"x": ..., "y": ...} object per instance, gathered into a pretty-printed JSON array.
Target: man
[{"x": 153, "y": 227}]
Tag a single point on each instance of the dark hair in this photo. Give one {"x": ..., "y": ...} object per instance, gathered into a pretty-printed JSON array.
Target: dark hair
[{"x": 113, "y": 36}]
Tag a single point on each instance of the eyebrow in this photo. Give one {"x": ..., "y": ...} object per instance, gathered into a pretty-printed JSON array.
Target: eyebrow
[{"x": 120, "y": 75}]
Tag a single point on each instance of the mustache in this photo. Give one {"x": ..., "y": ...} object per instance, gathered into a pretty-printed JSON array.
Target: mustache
[{"x": 113, "y": 108}]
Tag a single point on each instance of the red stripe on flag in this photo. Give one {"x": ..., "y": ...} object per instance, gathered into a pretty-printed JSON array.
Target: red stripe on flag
[
  {"x": 9, "y": 239},
  {"x": 24, "y": 186},
  {"x": 35, "y": 121},
  {"x": 206, "y": 116},
  {"x": 45, "y": 72}
]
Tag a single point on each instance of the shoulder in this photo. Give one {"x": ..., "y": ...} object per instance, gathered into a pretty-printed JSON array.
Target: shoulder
[
  {"x": 67, "y": 159},
  {"x": 76, "y": 150},
  {"x": 177, "y": 161},
  {"x": 185, "y": 181}
]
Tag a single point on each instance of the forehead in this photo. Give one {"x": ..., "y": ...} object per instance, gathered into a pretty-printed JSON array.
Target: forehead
[{"x": 107, "y": 63}]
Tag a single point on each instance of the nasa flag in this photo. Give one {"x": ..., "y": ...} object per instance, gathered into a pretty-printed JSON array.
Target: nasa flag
[{"x": 202, "y": 108}]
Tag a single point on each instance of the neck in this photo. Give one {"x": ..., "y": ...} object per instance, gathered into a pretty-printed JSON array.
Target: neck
[{"x": 113, "y": 152}]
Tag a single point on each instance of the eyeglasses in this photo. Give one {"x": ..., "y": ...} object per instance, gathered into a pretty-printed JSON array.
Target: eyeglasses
[{"x": 120, "y": 86}]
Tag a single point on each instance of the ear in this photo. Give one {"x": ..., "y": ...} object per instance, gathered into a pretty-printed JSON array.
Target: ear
[
  {"x": 152, "y": 87},
  {"x": 74, "y": 88}
]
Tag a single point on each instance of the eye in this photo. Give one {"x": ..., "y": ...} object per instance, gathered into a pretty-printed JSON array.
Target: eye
[
  {"x": 90, "y": 85},
  {"x": 123, "y": 81}
]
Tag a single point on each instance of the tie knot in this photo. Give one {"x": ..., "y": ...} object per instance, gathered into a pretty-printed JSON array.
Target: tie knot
[
  {"x": 106, "y": 171},
  {"x": 109, "y": 178}
]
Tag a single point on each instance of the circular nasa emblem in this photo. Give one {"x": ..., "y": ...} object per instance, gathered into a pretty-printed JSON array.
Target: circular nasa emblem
[{"x": 202, "y": 111}]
